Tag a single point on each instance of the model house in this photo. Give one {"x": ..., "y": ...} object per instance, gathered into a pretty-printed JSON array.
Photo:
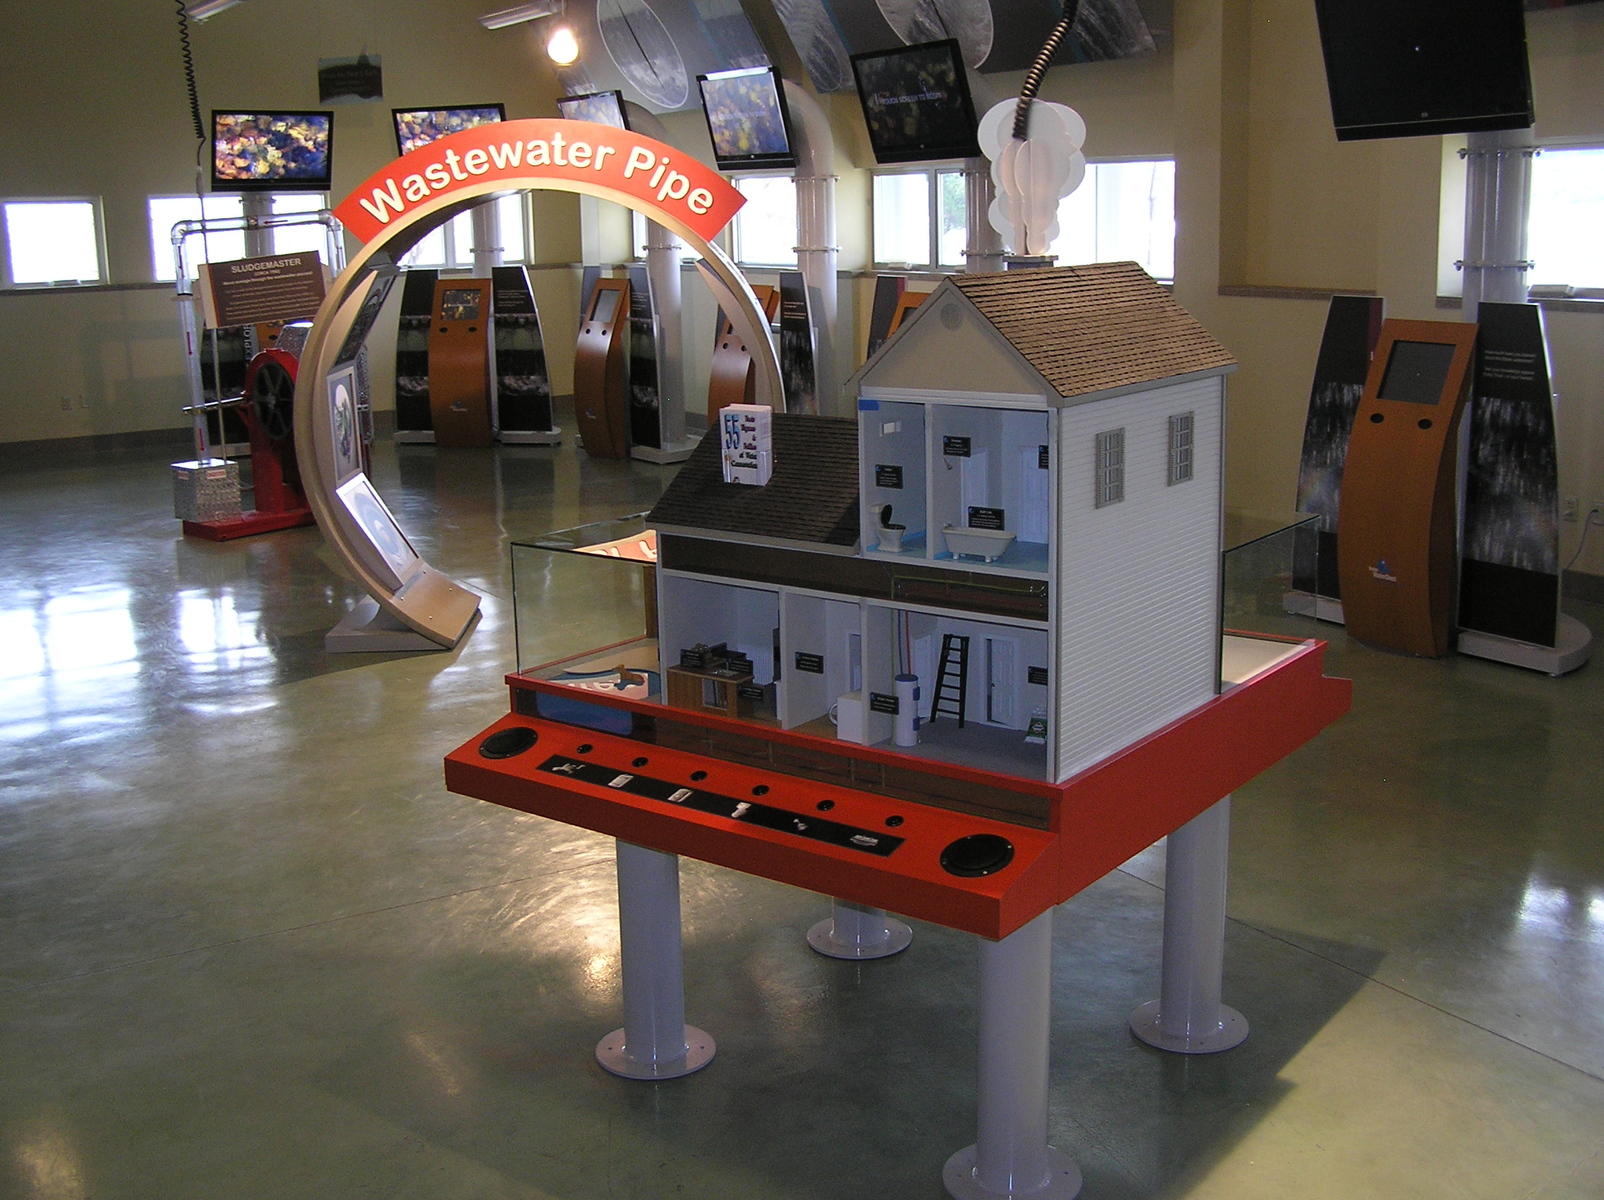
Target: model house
[{"x": 1025, "y": 518}]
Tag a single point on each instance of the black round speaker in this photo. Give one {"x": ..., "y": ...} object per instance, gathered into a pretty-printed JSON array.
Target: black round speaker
[
  {"x": 976, "y": 855},
  {"x": 505, "y": 743}
]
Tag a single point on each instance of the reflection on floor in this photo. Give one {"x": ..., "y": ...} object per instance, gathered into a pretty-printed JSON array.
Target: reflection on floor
[{"x": 251, "y": 948}]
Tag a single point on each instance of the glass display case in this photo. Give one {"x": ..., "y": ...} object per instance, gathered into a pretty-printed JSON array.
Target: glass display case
[{"x": 1263, "y": 615}]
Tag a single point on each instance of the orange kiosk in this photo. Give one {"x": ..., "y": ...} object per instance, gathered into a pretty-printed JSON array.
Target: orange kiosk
[
  {"x": 459, "y": 363},
  {"x": 1399, "y": 509},
  {"x": 601, "y": 402},
  {"x": 732, "y": 379}
]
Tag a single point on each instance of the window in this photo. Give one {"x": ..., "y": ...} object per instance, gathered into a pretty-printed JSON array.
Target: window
[
  {"x": 637, "y": 225},
  {"x": 1110, "y": 467},
  {"x": 1180, "y": 448},
  {"x": 765, "y": 228},
  {"x": 52, "y": 242},
  {"x": 1123, "y": 211},
  {"x": 300, "y": 239},
  {"x": 167, "y": 211},
  {"x": 1566, "y": 215},
  {"x": 920, "y": 218},
  {"x": 450, "y": 247}
]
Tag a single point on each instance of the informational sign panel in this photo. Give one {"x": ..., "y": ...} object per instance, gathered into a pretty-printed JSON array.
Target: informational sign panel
[
  {"x": 1509, "y": 576},
  {"x": 253, "y": 291},
  {"x": 1353, "y": 324},
  {"x": 797, "y": 370},
  {"x": 887, "y": 291},
  {"x": 645, "y": 423},
  {"x": 523, "y": 386}
]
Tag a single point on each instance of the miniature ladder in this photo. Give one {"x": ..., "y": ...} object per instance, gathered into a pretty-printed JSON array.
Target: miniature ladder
[{"x": 952, "y": 678}]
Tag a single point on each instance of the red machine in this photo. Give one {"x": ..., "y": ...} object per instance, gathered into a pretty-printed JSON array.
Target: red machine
[{"x": 268, "y": 406}]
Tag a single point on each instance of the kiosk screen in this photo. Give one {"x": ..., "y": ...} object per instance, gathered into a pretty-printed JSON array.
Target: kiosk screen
[
  {"x": 1417, "y": 372},
  {"x": 605, "y": 305},
  {"x": 460, "y": 304},
  {"x": 916, "y": 103}
]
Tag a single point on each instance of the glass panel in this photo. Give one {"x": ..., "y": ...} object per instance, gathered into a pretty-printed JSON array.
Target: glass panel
[
  {"x": 300, "y": 239},
  {"x": 429, "y": 252},
  {"x": 1567, "y": 213},
  {"x": 167, "y": 211},
  {"x": 52, "y": 241},
  {"x": 1136, "y": 215},
  {"x": 614, "y": 575},
  {"x": 902, "y": 218},
  {"x": 953, "y": 216},
  {"x": 1262, "y": 554},
  {"x": 765, "y": 228}
]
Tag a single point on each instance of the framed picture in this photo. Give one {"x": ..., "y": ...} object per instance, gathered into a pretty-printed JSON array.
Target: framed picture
[
  {"x": 371, "y": 522},
  {"x": 345, "y": 434}
]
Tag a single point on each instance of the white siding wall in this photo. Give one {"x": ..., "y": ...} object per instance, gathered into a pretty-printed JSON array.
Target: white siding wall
[{"x": 1137, "y": 584}]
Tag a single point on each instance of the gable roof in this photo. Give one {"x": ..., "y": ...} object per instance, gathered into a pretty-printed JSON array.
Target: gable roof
[
  {"x": 1085, "y": 330},
  {"x": 811, "y": 497}
]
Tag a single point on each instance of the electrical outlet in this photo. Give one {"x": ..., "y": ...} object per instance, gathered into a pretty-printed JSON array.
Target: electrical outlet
[
  {"x": 66, "y": 404},
  {"x": 1595, "y": 512},
  {"x": 1572, "y": 509},
  {"x": 83, "y": 401}
]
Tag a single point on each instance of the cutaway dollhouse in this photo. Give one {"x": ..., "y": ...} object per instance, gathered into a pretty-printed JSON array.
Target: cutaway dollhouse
[{"x": 1024, "y": 518}]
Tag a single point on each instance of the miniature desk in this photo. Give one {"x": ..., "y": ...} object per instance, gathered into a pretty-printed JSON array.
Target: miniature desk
[{"x": 973, "y": 850}]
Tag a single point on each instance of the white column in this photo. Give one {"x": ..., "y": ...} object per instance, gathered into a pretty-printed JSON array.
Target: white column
[
  {"x": 254, "y": 206},
  {"x": 815, "y": 225},
  {"x": 1188, "y": 1017},
  {"x": 1011, "y": 1158},
  {"x": 857, "y": 931},
  {"x": 655, "y": 1042},
  {"x": 663, "y": 268},
  {"x": 1498, "y": 196},
  {"x": 983, "y": 248},
  {"x": 486, "y": 239}
]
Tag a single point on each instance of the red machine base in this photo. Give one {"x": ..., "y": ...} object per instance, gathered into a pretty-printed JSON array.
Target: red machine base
[{"x": 247, "y": 524}]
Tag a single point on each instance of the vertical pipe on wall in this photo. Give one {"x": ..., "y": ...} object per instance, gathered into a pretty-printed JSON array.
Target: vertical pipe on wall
[
  {"x": 486, "y": 239},
  {"x": 816, "y": 248},
  {"x": 1498, "y": 194}
]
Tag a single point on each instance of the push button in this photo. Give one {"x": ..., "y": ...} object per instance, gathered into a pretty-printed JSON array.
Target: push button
[{"x": 976, "y": 855}]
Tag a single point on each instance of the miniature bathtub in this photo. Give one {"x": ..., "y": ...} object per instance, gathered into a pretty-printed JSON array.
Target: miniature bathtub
[{"x": 989, "y": 544}]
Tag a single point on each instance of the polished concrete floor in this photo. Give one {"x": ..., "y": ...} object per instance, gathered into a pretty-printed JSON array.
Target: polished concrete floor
[{"x": 250, "y": 947}]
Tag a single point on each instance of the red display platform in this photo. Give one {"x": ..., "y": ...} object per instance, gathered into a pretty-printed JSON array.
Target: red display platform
[
  {"x": 247, "y": 524},
  {"x": 668, "y": 798}
]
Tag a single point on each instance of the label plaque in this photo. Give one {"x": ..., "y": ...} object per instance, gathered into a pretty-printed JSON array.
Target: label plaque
[
  {"x": 955, "y": 447},
  {"x": 887, "y": 475},
  {"x": 881, "y": 703},
  {"x": 813, "y": 664}
]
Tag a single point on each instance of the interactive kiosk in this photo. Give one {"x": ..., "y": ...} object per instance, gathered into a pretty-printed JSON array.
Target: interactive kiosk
[
  {"x": 1399, "y": 510},
  {"x": 732, "y": 376},
  {"x": 413, "y": 421},
  {"x": 520, "y": 385},
  {"x": 601, "y": 399}
]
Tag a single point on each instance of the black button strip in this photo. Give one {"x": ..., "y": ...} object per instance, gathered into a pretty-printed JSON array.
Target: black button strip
[{"x": 763, "y": 815}]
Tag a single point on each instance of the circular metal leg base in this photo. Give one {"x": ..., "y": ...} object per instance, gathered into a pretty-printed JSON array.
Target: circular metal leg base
[
  {"x": 611, "y": 1055},
  {"x": 1232, "y": 1030},
  {"x": 822, "y": 938},
  {"x": 1063, "y": 1180}
]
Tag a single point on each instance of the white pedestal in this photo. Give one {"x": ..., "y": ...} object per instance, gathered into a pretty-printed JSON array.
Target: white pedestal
[
  {"x": 674, "y": 452},
  {"x": 368, "y": 629},
  {"x": 1011, "y": 1159},
  {"x": 531, "y": 437},
  {"x": 1188, "y": 1017},
  {"x": 655, "y": 1042},
  {"x": 419, "y": 437},
  {"x": 857, "y": 931},
  {"x": 1573, "y": 645}
]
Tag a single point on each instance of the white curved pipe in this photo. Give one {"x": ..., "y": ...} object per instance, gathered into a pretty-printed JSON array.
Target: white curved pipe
[
  {"x": 662, "y": 268},
  {"x": 815, "y": 225}
]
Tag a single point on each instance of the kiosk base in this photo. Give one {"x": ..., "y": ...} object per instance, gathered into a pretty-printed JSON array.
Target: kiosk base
[
  {"x": 531, "y": 437},
  {"x": 247, "y": 524},
  {"x": 1307, "y": 604},
  {"x": 368, "y": 629},
  {"x": 1573, "y": 644},
  {"x": 418, "y": 437},
  {"x": 674, "y": 452}
]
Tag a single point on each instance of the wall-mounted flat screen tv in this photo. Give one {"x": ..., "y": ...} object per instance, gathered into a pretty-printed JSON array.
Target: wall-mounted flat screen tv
[
  {"x": 916, "y": 102},
  {"x": 1402, "y": 68},
  {"x": 272, "y": 152},
  {"x": 417, "y": 127},
  {"x": 604, "y": 108},
  {"x": 747, "y": 118}
]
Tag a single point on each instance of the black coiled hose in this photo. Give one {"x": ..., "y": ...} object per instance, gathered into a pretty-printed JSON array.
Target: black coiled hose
[
  {"x": 1038, "y": 69},
  {"x": 189, "y": 71}
]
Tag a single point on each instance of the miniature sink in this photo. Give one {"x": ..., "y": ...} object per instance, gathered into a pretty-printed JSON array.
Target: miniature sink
[{"x": 989, "y": 544}]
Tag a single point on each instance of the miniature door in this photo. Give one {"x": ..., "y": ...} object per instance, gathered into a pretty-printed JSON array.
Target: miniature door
[
  {"x": 459, "y": 363},
  {"x": 601, "y": 403}
]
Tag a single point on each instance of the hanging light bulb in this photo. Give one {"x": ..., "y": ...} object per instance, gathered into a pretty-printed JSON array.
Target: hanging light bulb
[{"x": 562, "y": 45}]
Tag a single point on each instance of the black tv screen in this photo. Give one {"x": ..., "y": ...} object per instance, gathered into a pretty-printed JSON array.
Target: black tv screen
[
  {"x": 272, "y": 152},
  {"x": 916, "y": 102},
  {"x": 1401, "y": 68},
  {"x": 1416, "y": 372},
  {"x": 417, "y": 127},
  {"x": 747, "y": 118},
  {"x": 604, "y": 108}
]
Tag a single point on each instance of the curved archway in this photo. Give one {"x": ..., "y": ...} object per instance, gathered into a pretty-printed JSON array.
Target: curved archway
[{"x": 390, "y": 212}]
